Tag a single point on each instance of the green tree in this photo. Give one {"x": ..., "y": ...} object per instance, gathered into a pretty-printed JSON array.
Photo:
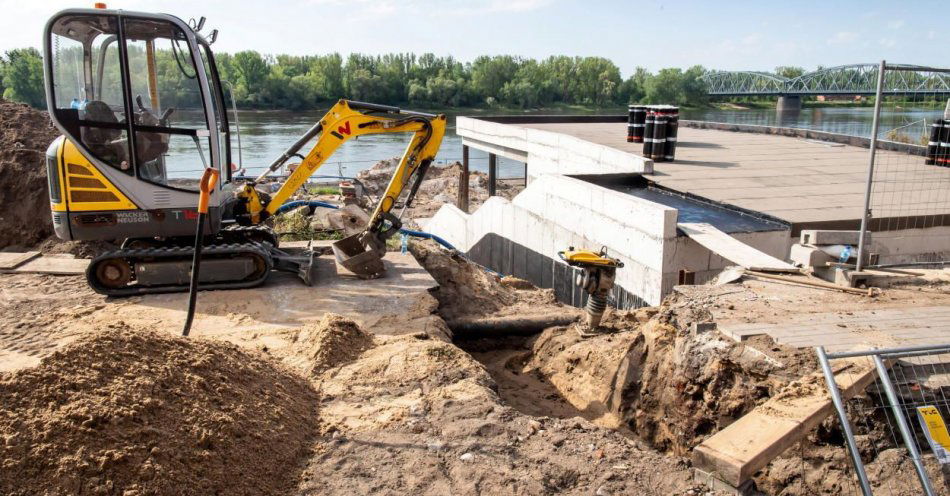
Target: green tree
[
  {"x": 251, "y": 71},
  {"x": 634, "y": 88},
  {"x": 23, "y": 77},
  {"x": 490, "y": 74}
]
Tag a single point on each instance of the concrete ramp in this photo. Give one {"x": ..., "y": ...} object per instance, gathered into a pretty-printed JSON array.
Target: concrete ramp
[{"x": 732, "y": 249}]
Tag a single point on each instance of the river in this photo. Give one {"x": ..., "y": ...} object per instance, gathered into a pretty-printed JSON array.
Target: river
[{"x": 265, "y": 135}]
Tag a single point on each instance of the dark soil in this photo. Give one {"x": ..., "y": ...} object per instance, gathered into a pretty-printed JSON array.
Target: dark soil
[{"x": 25, "y": 134}]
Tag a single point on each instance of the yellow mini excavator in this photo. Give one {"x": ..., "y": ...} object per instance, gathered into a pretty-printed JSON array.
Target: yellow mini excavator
[{"x": 138, "y": 99}]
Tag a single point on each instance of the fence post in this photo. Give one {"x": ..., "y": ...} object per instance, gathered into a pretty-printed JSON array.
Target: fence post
[
  {"x": 865, "y": 213},
  {"x": 845, "y": 423},
  {"x": 463, "y": 182},
  {"x": 906, "y": 433}
]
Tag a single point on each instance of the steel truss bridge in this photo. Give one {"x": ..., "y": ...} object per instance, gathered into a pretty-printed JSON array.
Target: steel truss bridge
[{"x": 855, "y": 79}]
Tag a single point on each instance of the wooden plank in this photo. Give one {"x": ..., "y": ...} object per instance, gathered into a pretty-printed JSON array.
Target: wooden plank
[
  {"x": 737, "y": 452},
  {"x": 53, "y": 265},
  {"x": 732, "y": 249},
  {"x": 11, "y": 260}
]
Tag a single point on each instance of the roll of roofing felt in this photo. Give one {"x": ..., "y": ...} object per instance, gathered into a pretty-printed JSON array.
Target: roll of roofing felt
[
  {"x": 672, "y": 129},
  {"x": 648, "y": 125},
  {"x": 933, "y": 144},
  {"x": 636, "y": 118}
]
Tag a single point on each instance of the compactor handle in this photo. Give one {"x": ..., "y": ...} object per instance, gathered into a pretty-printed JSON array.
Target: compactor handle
[{"x": 205, "y": 186}]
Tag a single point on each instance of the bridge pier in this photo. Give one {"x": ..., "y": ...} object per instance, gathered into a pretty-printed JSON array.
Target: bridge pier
[{"x": 789, "y": 102}]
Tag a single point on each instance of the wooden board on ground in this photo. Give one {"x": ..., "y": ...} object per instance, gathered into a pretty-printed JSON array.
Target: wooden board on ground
[
  {"x": 52, "y": 265},
  {"x": 12, "y": 260},
  {"x": 737, "y": 452},
  {"x": 732, "y": 249}
]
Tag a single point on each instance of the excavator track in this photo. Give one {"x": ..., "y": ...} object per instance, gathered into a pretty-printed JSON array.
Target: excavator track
[
  {"x": 236, "y": 233},
  {"x": 119, "y": 273}
]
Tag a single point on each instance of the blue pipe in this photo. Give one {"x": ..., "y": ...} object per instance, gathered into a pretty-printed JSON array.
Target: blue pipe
[
  {"x": 304, "y": 203},
  {"x": 425, "y": 235}
]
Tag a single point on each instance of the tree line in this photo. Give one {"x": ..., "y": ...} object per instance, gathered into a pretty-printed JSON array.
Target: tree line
[{"x": 429, "y": 81}]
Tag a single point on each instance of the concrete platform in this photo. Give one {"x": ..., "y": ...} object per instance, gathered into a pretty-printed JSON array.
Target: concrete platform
[
  {"x": 398, "y": 303},
  {"x": 806, "y": 183},
  {"x": 859, "y": 330}
]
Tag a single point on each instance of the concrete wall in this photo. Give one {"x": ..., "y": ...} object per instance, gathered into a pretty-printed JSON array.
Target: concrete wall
[
  {"x": 556, "y": 212},
  {"x": 547, "y": 152}
]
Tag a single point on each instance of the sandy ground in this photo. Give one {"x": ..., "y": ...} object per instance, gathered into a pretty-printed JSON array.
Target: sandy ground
[
  {"x": 398, "y": 410},
  {"x": 45, "y": 312}
]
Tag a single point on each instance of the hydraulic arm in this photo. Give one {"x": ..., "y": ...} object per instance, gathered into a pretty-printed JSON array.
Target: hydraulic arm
[{"x": 361, "y": 253}]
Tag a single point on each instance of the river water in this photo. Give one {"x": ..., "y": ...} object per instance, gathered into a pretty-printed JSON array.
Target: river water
[{"x": 265, "y": 135}]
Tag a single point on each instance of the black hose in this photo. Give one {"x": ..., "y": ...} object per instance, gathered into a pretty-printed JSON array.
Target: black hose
[{"x": 195, "y": 264}]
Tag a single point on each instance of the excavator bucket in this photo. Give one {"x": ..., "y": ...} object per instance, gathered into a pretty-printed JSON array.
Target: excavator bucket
[{"x": 361, "y": 255}]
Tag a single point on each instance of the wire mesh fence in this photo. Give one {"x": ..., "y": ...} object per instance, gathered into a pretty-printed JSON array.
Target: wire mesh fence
[
  {"x": 909, "y": 175},
  {"x": 892, "y": 405}
]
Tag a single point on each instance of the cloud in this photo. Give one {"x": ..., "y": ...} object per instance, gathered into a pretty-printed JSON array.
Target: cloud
[
  {"x": 515, "y": 5},
  {"x": 843, "y": 37},
  {"x": 752, "y": 39},
  {"x": 896, "y": 24},
  {"x": 931, "y": 35},
  {"x": 887, "y": 42}
]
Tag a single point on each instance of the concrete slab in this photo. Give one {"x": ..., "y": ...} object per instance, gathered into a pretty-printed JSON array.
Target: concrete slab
[
  {"x": 732, "y": 249},
  {"x": 60, "y": 266},
  {"x": 803, "y": 182},
  {"x": 859, "y": 330},
  {"x": 9, "y": 260},
  {"x": 825, "y": 237},
  {"x": 395, "y": 304}
]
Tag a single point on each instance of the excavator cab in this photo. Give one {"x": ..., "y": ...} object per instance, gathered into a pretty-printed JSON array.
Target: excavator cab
[{"x": 126, "y": 89}]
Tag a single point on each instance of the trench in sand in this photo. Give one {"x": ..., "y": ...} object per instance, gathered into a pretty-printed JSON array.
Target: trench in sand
[{"x": 520, "y": 386}]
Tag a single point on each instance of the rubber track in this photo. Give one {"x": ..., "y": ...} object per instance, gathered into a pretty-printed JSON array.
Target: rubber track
[{"x": 180, "y": 254}]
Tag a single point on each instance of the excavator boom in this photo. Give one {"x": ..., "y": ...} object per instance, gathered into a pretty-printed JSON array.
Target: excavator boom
[{"x": 361, "y": 253}]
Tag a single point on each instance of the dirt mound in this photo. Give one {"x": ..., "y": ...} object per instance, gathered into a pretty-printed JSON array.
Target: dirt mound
[
  {"x": 420, "y": 416},
  {"x": 439, "y": 187},
  {"x": 655, "y": 376},
  {"x": 136, "y": 412},
  {"x": 467, "y": 290},
  {"x": 332, "y": 342},
  {"x": 25, "y": 134}
]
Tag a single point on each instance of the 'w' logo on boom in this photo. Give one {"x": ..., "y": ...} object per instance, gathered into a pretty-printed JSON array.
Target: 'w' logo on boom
[{"x": 341, "y": 130}]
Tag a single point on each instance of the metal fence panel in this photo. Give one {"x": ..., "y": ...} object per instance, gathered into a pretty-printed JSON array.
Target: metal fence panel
[
  {"x": 907, "y": 190},
  {"x": 896, "y": 434}
]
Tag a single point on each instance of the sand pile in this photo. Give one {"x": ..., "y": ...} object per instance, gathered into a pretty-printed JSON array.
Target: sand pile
[
  {"x": 332, "y": 342},
  {"x": 439, "y": 187},
  {"x": 136, "y": 412},
  {"x": 467, "y": 290},
  {"x": 25, "y": 134}
]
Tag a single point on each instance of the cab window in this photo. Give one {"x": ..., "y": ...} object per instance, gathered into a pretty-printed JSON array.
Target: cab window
[{"x": 87, "y": 86}]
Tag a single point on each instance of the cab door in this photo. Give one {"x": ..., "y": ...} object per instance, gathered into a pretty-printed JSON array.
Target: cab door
[{"x": 131, "y": 94}]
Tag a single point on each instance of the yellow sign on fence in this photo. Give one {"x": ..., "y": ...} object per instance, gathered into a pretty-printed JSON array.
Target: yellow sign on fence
[{"x": 936, "y": 431}]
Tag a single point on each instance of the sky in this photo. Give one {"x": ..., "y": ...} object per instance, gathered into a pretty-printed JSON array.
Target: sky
[{"x": 728, "y": 35}]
